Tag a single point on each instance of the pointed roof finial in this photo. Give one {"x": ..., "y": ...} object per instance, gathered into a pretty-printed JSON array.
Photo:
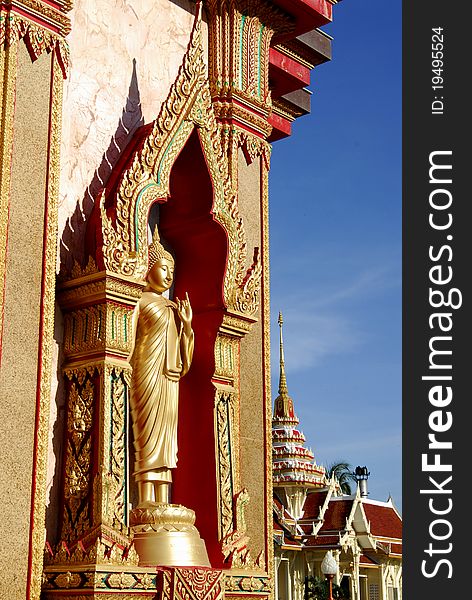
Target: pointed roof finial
[
  {"x": 283, "y": 408},
  {"x": 283, "y": 389},
  {"x": 293, "y": 464}
]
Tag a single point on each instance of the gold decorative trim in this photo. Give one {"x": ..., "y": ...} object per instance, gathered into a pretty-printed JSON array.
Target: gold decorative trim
[
  {"x": 194, "y": 583},
  {"x": 296, "y": 54},
  {"x": 80, "y": 417},
  {"x": 8, "y": 67},
  {"x": 38, "y": 37},
  {"x": 147, "y": 180},
  {"x": 47, "y": 325},
  {"x": 286, "y": 110},
  {"x": 240, "y": 34},
  {"x": 224, "y": 423},
  {"x": 265, "y": 309},
  {"x": 235, "y": 546},
  {"x": 43, "y": 11}
]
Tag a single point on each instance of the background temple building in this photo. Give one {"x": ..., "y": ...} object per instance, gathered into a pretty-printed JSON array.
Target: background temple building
[
  {"x": 312, "y": 516},
  {"x": 120, "y": 116}
]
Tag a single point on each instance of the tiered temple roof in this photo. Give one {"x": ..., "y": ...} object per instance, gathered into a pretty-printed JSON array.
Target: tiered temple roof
[
  {"x": 293, "y": 464},
  {"x": 329, "y": 521}
]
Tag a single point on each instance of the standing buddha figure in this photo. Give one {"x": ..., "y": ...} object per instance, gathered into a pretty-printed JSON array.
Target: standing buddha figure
[{"x": 162, "y": 354}]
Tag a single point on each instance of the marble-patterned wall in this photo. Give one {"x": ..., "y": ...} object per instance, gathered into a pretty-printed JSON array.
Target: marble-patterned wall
[{"x": 125, "y": 55}]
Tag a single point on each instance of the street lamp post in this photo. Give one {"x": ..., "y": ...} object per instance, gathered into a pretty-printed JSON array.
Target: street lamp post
[{"x": 329, "y": 568}]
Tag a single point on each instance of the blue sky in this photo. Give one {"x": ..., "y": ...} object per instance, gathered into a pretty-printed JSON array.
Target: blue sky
[{"x": 335, "y": 224}]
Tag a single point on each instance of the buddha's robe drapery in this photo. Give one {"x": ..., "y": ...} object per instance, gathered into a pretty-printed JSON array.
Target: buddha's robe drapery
[{"x": 162, "y": 355}]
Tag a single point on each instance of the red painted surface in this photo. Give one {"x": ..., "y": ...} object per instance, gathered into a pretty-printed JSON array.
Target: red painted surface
[
  {"x": 36, "y": 18},
  {"x": 285, "y": 74},
  {"x": 308, "y": 14},
  {"x": 281, "y": 128},
  {"x": 201, "y": 248}
]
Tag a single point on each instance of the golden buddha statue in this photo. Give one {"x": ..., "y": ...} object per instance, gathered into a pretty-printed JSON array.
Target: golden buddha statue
[{"x": 162, "y": 354}]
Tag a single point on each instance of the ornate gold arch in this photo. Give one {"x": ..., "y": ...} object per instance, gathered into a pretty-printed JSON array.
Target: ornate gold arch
[{"x": 147, "y": 179}]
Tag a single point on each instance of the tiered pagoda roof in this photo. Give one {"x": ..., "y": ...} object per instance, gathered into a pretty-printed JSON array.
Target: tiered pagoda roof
[{"x": 293, "y": 464}]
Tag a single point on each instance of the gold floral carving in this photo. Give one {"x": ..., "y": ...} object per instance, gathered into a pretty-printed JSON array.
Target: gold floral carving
[
  {"x": 118, "y": 449},
  {"x": 77, "y": 514},
  {"x": 79, "y": 271},
  {"x": 240, "y": 33},
  {"x": 102, "y": 551},
  {"x": 121, "y": 580},
  {"x": 253, "y": 147},
  {"x": 68, "y": 580},
  {"x": 84, "y": 330},
  {"x": 146, "y": 180},
  {"x": 95, "y": 505},
  {"x": 97, "y": 327},
  {"x": 191, "y": 584},
  {"x": 254, "y": 119},
  {"x": 110, "y": 483},
  {"x": 235, "y": 546},
  {"x": 106, "y": 583},
  {"x": 224, "y": 410},
  {"x": 99, "y": 288},
  {"x": 38, "y": 38},
  {"x": 226, "y": 358}
]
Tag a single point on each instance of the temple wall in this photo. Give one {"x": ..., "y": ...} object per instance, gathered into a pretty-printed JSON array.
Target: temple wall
[
  {"x": 22, "y": 301},
  {"x": 252, "y": 443},
  {"x": 124, "y": 58}
]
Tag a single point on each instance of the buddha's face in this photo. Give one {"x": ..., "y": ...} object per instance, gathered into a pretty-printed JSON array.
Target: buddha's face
[{"x": 161, "y": 275}]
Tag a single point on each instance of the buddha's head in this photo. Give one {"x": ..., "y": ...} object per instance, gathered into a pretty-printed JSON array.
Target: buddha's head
[
  {"x": 161, "y": 265},
  {"x": 161, "y": 275}
]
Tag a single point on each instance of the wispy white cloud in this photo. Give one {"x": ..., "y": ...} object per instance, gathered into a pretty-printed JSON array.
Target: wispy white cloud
[
  {"x": 361, "y": 283},
  {"x": 320, "y": 322},
  {"x": 312, "y": 336}
]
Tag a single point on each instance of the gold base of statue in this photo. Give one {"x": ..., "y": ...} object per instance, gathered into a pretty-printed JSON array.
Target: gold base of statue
[{"x": 165, "y": 536}]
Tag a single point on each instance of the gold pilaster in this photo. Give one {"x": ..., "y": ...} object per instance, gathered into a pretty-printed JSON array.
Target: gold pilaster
[
  {"x": 240, "y": 33},
  {"x": 265, "y": 310},
  {"x": 47, "y": 332},
  {"x": 94, "y": 537}
]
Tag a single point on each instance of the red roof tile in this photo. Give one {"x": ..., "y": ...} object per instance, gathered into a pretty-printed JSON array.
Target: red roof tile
[
  {"x": 312, "y": 505},
  {"x": 384, "y": 521},
  {"x": 323, "y": 540},
  {"x": 336, "y": 515}
]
